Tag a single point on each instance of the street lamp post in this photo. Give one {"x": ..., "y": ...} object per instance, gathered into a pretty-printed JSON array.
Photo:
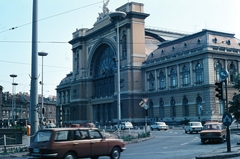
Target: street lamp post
[
  {"x": 13, "y": 96},
  {"x": 117, "y": 16},
  {"x": 41, "y": 112}
]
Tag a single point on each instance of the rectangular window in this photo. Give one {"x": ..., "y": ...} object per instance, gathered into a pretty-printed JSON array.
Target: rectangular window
[
  {"x": 43, "y": 136},
  {"x": 95, "y": 134},
  {"x": 62, "y": 135}
]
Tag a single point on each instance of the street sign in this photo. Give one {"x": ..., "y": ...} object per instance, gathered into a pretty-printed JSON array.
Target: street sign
[
  {"x": 146, "y": 106},
  {"x": 142, "y": 103},
  {"x": 145, "y": 100},
  {"x": 223, "y": 74},
  {"x": 227, "y": 119}
]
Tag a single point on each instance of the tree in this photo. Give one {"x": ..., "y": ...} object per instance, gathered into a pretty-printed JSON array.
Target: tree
[
  {"x": 237, "y": 82},
  {"x": 235, "y": 103}
]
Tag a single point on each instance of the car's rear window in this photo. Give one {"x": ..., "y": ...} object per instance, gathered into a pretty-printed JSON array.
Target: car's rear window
[
  {"x": 196, "y": 124},
  {"x": 43, "y": 136},
  {"x": 162, "y": 124},
  {"x": 212, "y": 127}
]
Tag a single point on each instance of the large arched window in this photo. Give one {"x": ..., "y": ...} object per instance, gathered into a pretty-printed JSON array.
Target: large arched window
[
  {"x": 150, "y": 113},
  {"x": 199, "y": 73},
  {"x": 162, "y": 84},
  {"x": 185, "y": 76},
  {"x": 161, "y": 107},
  {"x": 232, "y": 72},
  {"x": 104, "y": 67},
  {"x": 199, "y": 106},
  {"x": 173, "y": 78},
  {"x": 218, "y": 68},
  {"x": 151, "y": 82},
  {"x": 124, "y": 46},
  {"x": 185, "y": 106},
  {"x": 173, "y": 108},
  {"x": 77, "y": 69}
]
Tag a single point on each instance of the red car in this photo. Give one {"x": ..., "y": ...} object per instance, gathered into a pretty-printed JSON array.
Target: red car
[
  {"x": 213, "y": 131},
  {"x": 72, "y": 143}
]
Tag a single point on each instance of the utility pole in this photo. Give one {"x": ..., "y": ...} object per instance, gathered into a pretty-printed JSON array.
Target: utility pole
[{"x": 34, "y": 73}]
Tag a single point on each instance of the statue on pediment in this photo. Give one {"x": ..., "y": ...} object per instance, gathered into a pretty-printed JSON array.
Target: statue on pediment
[{"x": 105, "y": 10}]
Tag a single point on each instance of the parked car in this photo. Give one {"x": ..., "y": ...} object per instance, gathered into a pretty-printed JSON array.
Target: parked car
[
  {"x": 159, "y": 126},
  {"x": 124, "y": 125},
  {"x": 213, "y": 131},
  {"x": 193, "y": 126},
  {"x": 74, "y": 143},
  {"x": 51, "y": 125}
]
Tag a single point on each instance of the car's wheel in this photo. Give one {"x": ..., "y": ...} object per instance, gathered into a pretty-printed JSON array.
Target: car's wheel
[
  {"x": 203, "y": 141},
  {"x": 95, "y": 157},
  {"x": 152, "y": 129},
  {"x": 185, "y": 131},
  {"x": 70, "y": 155},
  {"x": 115, "y": 154}
]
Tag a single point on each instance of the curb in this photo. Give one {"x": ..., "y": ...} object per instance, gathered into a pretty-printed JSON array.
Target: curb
[{"x": 221, "y": 154}]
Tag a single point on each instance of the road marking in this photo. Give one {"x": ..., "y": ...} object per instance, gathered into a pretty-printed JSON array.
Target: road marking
[{"x": 185, "y": 143}]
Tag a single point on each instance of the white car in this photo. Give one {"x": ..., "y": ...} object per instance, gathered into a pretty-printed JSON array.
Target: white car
[
  {"x": 193, "y": 127},
  {"x": 51, "y": 125},
  {"x": 159, "y": 126},
  {"x": 124, "y": 125}
]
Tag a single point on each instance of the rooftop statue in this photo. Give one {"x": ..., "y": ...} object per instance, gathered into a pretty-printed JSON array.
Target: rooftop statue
[{"x": 105, "y": 10}]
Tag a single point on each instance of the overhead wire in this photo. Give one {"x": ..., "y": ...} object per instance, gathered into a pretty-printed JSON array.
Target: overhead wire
[{"x": 16, "y": 27}]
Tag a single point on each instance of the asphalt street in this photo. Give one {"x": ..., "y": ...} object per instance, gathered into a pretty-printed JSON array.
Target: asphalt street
[{"x": 167, "y": 144}]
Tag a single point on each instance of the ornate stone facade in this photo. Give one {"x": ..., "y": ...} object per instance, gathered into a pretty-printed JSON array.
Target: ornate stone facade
[
  {"x": 175, "y": 71},
  {"x": 19, "y": 104}
]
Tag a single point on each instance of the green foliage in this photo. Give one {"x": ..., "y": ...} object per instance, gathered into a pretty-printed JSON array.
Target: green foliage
[
  {"x": 133, "y": 137},
  {"x": 235, "y": 103},
  {"x": 237, "y": 82},
  {"x": 22, "y": 128},
  {"x": 235, "y": 107}
]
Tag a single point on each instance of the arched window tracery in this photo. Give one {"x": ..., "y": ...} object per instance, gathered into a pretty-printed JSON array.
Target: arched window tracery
[
  {"x": 185, "y": 76},
  {"x": 199, "y": 73},
  {"x": 104, "y": 67},
  {"x": 173, "y": 78},
  {"x": 218, "y": 68},
  {"x": 162, "y": 79}
]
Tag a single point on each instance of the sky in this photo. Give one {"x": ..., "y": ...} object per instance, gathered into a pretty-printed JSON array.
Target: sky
[{"x": 58, "y": 19}]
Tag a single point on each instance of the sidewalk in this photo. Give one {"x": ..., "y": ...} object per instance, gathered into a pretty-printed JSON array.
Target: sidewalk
[{"x": 221, "y": 153}]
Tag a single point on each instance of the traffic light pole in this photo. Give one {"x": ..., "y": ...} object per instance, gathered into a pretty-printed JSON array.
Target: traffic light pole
[
  {"x": 220, "y": 96},
  {"x": 226, "y": 110}
]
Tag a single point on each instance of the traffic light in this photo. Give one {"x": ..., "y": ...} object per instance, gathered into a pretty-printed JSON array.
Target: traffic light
[{"x": 219, "y": 90}]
